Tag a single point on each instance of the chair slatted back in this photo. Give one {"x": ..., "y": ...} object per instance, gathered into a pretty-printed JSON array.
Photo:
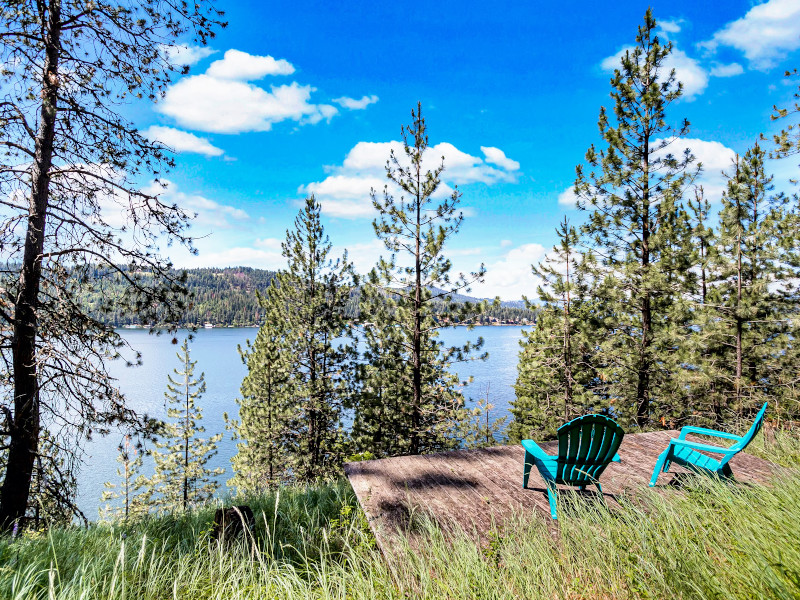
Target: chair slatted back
[
  {"x": 751, "y": 433},
  {"x": 585, "y": 447}
]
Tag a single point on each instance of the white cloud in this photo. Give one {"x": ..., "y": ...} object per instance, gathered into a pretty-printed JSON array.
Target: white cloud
[
  {"x": 510, "y": 277},
  {"x": 268, "y": 243},
  {"x": 353, "y": 104},
  {"x": 224, "y": 99},
  {"x": 687, "y": 70},
  {"x": 183, "y": 54},
  {"x": 346, "y": 191},
  {"x": 730, "y": 70},
  {"x": 673, "y": 26},
  {"x": 210, "y": 214},
  {"x": 363, "y": 255},
  {"x": 205, "y": 103},
  {"x": 767, "y": 33},
  {"x": 506, "y": 243},
  {"x": 239, "y": 65},
  {"x": 181, "y": 141},
  {"x": 497, "y": 157},
  {"x": 568, "y": 198},
  {"x": 715, "y": 158}
]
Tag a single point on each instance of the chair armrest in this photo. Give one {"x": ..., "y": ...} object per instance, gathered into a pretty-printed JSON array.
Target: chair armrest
[
  {"x": 710, "y": 432},
  {"x": 702, "y": 447},
  {"x": 616, "y": 458},
  {"x": 533, "y": 448}
]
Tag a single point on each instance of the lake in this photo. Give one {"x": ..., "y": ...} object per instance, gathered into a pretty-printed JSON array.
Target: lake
[{"x": 215, "y": 351}]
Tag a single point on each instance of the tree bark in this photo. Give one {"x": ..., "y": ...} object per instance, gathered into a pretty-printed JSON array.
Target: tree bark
[
  {"x": 25, "y": 425},
  {"x": 567, "y": 339},
  {"x": 643, "y": 375},
  {"x": 417, "y": 349}
]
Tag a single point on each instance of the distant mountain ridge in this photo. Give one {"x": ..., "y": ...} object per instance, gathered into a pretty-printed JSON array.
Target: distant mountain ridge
[{"x": 227, "y": 297}]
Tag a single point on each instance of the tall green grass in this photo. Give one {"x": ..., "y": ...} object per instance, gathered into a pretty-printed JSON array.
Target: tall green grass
[{"x": 709, "y": 539}]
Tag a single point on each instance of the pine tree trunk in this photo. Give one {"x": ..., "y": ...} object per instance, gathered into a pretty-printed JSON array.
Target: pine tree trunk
[
  {"x": 643, "y": 375},
  {"x": 739, "y": 326},
  {"x": 24, "y": 428},
  {"x": 417, "y": 349},
  {"x": 312, "y": 365},
  {"x": 186, "y": 442},
  {"x": 737, "y": 313},
  {"x": 127, "y": 488},
  {"x": 270, "y": 456},
  {"x": 567, "y": 349}
]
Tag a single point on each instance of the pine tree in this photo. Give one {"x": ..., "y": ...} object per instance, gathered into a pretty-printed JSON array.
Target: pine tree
[
  {"x": 130, "y": 498},
  {"x": 636, "y": 224},
  {"x": 557, "y": 378},
  {"x": 382, "y": 421},
  {"x": 262, "y": 461},
  {"x": 306, "y": 303},
  {"x": 478, "y": 430},
  {"x": 408, "y": 294},
  {"x": 787, "y": 144},
  {"x": 72, "y": 166},
  {"x": 703, "y": 400},
  {"x": 750, "y": 293},
  {"x": 182, "y": 478}
]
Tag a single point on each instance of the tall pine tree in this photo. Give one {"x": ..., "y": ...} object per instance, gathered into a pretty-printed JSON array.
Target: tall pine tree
[
  {"x": 182, "y": 478},
  {"x": 752, "y": 328},
  {"x": 405, "y": 291},
  {"x": 306, "y": 303},
  {"x": 261, "y": 461},
  {"x": 382, "y": 423},
  {"x": 558, "y": 378},
  {"x": 633, "y": 195}
]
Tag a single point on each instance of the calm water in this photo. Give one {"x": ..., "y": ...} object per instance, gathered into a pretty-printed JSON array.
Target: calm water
[{"x": 215, "y": 351}]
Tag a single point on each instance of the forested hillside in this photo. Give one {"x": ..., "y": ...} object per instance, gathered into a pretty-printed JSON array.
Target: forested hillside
[{"x": 228, "y": 297}]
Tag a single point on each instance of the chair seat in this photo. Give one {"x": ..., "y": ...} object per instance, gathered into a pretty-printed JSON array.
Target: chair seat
[{"x": 689, "y": 457}]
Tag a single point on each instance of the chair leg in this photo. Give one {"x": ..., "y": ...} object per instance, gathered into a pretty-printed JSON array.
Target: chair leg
[
  {"x": 599, "y": 489},
  {"x": 726, "y": 471},
  {"x": 551, "y": 496},
  {"x": 526, "y": 470},
  {"x": 660, "y": 464}
]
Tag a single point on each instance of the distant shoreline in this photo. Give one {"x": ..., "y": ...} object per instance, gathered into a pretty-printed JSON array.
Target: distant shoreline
[{"x": 199, "y": 327}]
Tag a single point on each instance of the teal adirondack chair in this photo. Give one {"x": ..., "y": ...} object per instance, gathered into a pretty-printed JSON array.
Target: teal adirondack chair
[
  {"x": 586, "y": 446},
  {"x": 691, "y": 455}
]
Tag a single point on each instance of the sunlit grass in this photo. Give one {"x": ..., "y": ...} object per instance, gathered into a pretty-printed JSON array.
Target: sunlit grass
[{"x": 710, "y": 539}]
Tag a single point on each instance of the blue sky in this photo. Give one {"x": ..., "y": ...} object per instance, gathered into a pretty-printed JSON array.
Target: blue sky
[{"x": 303, "y": 97}]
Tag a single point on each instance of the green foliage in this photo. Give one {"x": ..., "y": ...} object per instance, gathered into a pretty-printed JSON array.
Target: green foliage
[
  {"x": 227, "y": 297},
  {"x": 181, "y": 479},
  {"x": 637, "y": 225},
  {"x": 262, "y": 460},
  {"x": 131, "y": 497},
  {"x": 477, "y": 428},
  {"x": 558, "y": 374},
  {"x": 754, "y": 296},
  {"x": 217, "y": 296},
  {"x": 787, "y": 142},
  {"x": 305, "y": 312},
  {"x": 649, "y": 313},
  {"x": 409, "y": 400}
]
